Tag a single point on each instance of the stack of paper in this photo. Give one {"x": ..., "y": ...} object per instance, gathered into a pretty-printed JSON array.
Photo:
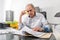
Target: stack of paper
[
  {"x": 34, "y": 33},
  {"x": 23, "y": 30},
  {"x": 3, "y": 31},
  {"x": 28, "y": 30}
]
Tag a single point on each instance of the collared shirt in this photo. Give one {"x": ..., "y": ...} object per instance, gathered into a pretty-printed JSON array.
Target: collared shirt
[{"x": 38, "y": 20}]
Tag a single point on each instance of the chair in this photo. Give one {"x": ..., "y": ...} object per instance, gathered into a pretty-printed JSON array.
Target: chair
[{"x": 44, "y": 13}]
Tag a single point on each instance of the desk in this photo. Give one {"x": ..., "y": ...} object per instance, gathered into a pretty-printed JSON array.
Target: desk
[
  {"x": 17, "y": 37},
  {"x": 9, "y": 36}
]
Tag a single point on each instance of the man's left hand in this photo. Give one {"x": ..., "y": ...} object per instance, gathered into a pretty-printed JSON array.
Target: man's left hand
[{"x": 37, "y": 29}]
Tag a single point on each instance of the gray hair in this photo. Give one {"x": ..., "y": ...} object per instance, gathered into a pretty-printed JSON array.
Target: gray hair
[{"x": 31, "y": 5}]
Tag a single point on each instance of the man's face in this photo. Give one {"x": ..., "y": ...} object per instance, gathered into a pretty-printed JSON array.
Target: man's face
[{"x": 30, "y": 10}]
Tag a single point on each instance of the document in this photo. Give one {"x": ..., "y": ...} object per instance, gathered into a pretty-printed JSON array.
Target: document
[
  {"x": 3, "y": 31},
  {"x": 23, "y": 31},
  {"x": 34, "y": 33},
  {"x": 28, "y": 30}
]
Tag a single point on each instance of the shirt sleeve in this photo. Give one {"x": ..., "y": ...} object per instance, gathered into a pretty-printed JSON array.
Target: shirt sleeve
[
  {"x": 21, "y": 26},
  {"x": 24, "y": 19},
  {"x": 45, "y": 23},
  {"x": 41, "y": 21}
]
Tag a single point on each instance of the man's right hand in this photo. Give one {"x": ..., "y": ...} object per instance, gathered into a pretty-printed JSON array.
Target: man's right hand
[
  {"x": 23, "y": 12},
  {"x": 37, "y": 29}
]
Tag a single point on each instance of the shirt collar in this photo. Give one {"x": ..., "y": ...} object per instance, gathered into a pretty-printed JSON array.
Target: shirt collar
[{"x": 34, "y": 15}]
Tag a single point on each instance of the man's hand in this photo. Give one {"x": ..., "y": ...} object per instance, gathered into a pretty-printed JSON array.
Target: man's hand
[
  {"x": 23, "y": 12},
  {"x": 37, "y": 29}
]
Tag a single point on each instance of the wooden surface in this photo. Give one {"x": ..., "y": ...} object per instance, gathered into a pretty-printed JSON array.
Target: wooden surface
[{"x": 47, "y": 35}]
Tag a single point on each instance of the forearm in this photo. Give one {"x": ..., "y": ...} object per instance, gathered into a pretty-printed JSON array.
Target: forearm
[
  {"x": 20, "y": 22},
  {"x": 20, "y": 26},
  {"x": 21, "y": 14},
  {"x": 20, "y": 18}
]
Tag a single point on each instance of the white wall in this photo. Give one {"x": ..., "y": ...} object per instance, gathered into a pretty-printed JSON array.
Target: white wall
[
  {"x": 18, "y": 5},
  {"x": 7, "y": 6},
  {"x": 1, "y": 10},
  {"x": 51, "y": 12}
]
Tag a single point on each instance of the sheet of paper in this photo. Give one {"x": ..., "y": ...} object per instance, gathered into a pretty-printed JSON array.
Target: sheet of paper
[
  {"x": 14, "y": 31},
  {"x": 21, "y": 32},
  {"x": 28, "y": 30},
  {"x": 3, "y": 31},
  {"x": 34, "y": 33}
]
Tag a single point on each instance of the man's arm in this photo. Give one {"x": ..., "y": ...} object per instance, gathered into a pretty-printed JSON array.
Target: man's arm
[
  {"x": 22, "y": 13},
  {"x": 20, "y": 19},
  {"x": 46, "y": 25},
  {"x": 40, "y": 22}
]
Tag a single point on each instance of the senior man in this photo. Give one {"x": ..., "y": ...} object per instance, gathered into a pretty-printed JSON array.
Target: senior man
[{"x": 35, "y": 21}]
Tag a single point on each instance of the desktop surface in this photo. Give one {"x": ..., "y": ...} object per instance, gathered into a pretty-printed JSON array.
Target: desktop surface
[
  {"x": 17, "y": 37},
  {"x": 9, "y": 36}
]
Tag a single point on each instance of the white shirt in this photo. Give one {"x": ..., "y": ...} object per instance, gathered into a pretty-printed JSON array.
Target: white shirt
[{"x": 37, "y": 20}]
